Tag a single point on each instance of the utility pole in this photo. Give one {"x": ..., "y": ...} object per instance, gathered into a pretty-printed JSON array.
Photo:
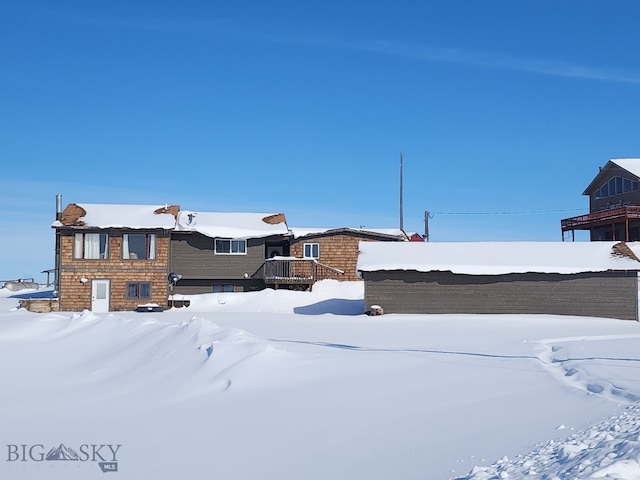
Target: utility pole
[
  {"x": 401, "y": 205},
  {"x": 426, "y": 226}
]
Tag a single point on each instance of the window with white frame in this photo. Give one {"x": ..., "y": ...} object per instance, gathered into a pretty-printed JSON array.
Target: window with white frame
[
  {"x": 228, "y": 246},
  {"x": 139, "y": 246},
  {"x": 311, "y": 250},
  {"x": 91, "y": 246}
]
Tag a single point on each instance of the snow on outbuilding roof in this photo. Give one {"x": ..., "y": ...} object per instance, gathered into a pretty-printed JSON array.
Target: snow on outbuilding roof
[
  {"x": 240, "y": 225},
  {"x": 94, "y": 215},
  {"x": 499, "y": 258}
]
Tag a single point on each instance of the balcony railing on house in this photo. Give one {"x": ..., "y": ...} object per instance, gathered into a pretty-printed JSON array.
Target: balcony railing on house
[
  {"x": 296, "y": 273},
  {"x": 603, "y": 218}
]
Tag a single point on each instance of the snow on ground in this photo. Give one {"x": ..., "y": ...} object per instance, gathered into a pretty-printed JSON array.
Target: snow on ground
[{"x": 289, "y": 385}]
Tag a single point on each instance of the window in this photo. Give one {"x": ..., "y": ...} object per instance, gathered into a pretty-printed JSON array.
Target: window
[
  {"x": 616, "y": 186},
  {"x": 222, "y": 288},
  {"x": 91, "y": 246},
  {"x": 139, "y": 246},
  {"x": 139, "y": 290},
  {"x": 311, "y": 250},
  {"x": 230, "y": 247}
]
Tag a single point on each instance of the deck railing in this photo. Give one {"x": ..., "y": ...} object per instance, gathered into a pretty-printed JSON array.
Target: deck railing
[
  {"x": 297, "y": 271},
  {"x": 599, "y": 218}
]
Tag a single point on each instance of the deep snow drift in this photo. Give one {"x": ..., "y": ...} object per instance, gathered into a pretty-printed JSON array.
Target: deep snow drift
[{"x": 279, "y": 385}]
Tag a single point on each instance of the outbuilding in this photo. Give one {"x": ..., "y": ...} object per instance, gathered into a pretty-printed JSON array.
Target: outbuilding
[{"x": 598, "y": 279}]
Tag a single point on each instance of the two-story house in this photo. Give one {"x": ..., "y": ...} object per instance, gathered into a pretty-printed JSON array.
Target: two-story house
[
  {"x": 112, "y": 257},
  {"x": 614, "y": 204}
]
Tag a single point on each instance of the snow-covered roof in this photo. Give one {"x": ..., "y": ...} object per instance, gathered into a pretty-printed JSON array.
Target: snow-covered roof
[
  {"x": 299, "y": 232},
  {"x": 498, "y": 258},
  {"x": 232, "y": 224},
  {"x": 96, "y": 215},
  {"x": 631, "y": 165}
]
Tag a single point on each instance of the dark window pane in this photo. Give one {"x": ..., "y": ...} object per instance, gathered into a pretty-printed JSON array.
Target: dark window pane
[
  {"x": 223, "y": 246},
  {"x": 132, "y": 290},
  {"x": 627, "y": 185},
  {"x": 618, "y": 185},
  {"x": 137, "y": 243},
  {"x": 145, "y": 290},
  {"x": 238, "y": 246}
]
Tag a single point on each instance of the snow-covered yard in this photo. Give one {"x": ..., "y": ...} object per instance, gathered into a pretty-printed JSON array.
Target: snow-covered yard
[{"x": 291, "y": 385}]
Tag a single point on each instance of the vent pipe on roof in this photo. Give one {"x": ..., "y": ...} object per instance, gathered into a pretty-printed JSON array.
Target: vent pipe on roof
[
  {"x": 57, "y": 259},
  {"x": 58, "y": 206}
]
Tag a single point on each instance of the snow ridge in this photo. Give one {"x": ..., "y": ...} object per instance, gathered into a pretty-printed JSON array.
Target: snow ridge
[{"x": 610, "y": 449}]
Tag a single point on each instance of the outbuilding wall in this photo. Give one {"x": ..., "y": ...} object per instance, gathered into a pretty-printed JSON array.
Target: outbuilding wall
[{"x": 594, "y": 294}]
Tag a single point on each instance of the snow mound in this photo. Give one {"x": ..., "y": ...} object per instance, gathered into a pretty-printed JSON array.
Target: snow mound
[
  {"x": 610, "y": 449},
  {"x": 122, "y": 355},
  {"x": 327, "y": 296}
]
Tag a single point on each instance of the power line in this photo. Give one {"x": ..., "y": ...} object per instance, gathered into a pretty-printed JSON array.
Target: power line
[{"x": 525, "y": 212}]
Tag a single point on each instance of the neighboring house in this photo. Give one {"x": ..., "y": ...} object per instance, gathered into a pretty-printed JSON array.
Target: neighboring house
[
  {"x": 614, "y": 204},
  {"x": 338, "y": 247},
  {"x": 112, "y": 257},
  {"x": 224, "y": 252},
  {"x": 598, "y": 279}
]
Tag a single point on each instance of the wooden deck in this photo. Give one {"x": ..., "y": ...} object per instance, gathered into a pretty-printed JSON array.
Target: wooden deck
[
  {"x": 620, "y": 215},
  {"x": 297, "y": 273}
]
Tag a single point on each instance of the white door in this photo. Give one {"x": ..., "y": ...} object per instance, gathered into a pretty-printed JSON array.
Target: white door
[{"x": 100, "y": 296}]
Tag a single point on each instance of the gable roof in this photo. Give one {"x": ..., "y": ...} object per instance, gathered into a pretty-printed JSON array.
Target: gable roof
[
  {"x": 386, "y": 233},
  {"x": 499, "y": 258},
  {"x": 631, "y": 165},
  {"x": 240, "y": 225},
  {"x": 95, "y": 215}
]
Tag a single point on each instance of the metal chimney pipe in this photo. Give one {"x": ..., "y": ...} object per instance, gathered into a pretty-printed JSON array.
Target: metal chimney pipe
[{"x": 58, "y": 206}]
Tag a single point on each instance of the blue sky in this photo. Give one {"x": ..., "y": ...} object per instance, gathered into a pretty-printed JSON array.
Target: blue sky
[{"x": 303, "y": 108}]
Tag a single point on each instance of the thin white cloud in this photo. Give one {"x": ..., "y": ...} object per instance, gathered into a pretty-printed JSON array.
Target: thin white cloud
[
  {"x": 556, "y": 68},
  {"x": 229, "y": 27}
]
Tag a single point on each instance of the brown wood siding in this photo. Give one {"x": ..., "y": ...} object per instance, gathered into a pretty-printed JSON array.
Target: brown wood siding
[
  {"x": 194, "y": 287},
  {"x": 598, "y": 294},
  {"x": 192, "y": 256},
  {"x": 75, "y": 296},
  {"x": 630, "y": 198},
  {"x": 337, "y": 251}
]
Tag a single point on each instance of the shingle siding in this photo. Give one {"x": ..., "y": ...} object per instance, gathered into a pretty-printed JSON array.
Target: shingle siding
[
  {"x": 337, "y": 250},
  {"x": 76, "y": 295},
  {"x": 597, "y": 294}
]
